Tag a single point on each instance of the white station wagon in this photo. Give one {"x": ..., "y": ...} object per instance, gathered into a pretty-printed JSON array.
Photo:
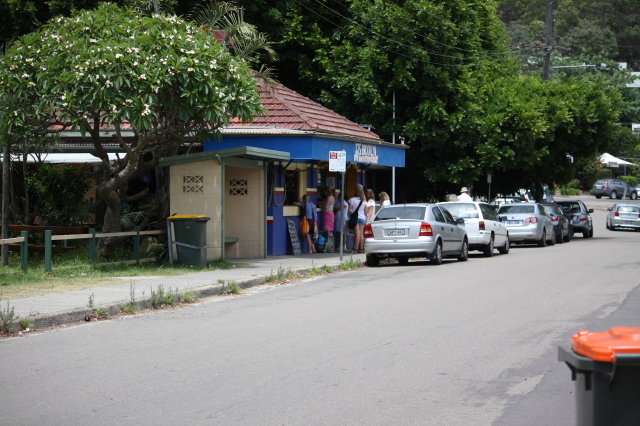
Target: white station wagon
[{"x": 484, "y": 228}]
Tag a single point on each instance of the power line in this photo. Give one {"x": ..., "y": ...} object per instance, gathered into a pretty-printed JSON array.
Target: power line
[
  {"x": 425, "y": 37},
  {"x": 393, "y": 51}
]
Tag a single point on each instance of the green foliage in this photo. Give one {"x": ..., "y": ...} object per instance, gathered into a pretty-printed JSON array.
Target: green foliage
[
  {"x": 58, "y": 193},
  {"x": 7, "y": 318},
  {"x": 171, "y": 81},
  {"x": 631, "y": 180},
  {"x": 102, "y": 313},
  {"x": 188, "y": 297},
  {"x": 350, "y": 265}
]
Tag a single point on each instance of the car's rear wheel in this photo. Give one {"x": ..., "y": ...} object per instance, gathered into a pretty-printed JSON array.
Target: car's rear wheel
[
  {"x": 505, "y": 248},
  {"x": 488, "y": 249},
  {"x": 464, "y": 251},
  {"x": 436, "y": 256},
  {"x": 607, "y": 225},
  {"x": 542, "y": 242},
  {"x": 569, "y": 235},
  {"x": 403, "y": 260},
  {"x": 585, "y": 233},
  {"x": 559, "y": 238},
  {"x": 613, "y": 195},
  {"x": 591, "y": 232},
  {"x": 634, "y": 195},
  {"x": 598, "y": 196},
  {"x": 372, "y": 260},
  {"x": 552, "y": 242}
]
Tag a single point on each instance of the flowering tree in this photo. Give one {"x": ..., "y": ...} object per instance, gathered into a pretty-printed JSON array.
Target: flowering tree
[{"x": 161, "y": 78}]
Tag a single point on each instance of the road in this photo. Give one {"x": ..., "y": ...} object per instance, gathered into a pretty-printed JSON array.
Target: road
[{"x": 463, "y": 343}]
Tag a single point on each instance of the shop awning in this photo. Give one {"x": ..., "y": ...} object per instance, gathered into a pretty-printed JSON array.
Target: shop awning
[{"x": 611, "y": 161}]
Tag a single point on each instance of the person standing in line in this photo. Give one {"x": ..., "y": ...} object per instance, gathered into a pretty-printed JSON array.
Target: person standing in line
[
  {"x": 308, "y": 209},
  {"x": 464, "y": 195},
  {"x": 370, "y": 208},
  {"x": 357, "y": 204},
  {"x": 341, "y": 209},
  {"x": 327, "y": 211},
  {"x": 384, "y": 200}
]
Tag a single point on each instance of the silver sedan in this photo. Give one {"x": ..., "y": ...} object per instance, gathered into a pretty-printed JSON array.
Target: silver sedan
[
  {"x": 528, "y": 223},
  {"x": 623, "y": 215},
  {"x": 415, "y": 230}
]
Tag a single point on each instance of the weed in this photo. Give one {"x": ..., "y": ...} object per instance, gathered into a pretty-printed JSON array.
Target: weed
[
  {"x": 315, "y": 271},
  {"x": 102, "y": 313},
  {"x": 231, "y": 287},
  {"x": 350, "y": 265},
  {"x": 131, "y": 307},
  {"x": 172, "y": 298},
  {"x": 279, "y": 276},
  {"x": 327, "y": 269},
  {"x": 188, "y": 297},
  {"x": 234, "y": 288},
  {"x": 90, "y": 302},
  {"x": 158, "y": 297},
  {"x": 7, "y": 317},
  {"x": 291, "y": 274},
  {"x": 26, "y": 323}
]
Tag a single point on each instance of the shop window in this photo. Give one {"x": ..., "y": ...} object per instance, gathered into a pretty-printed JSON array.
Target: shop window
[
  {"x": 321, "y": 174},
  {"x": 192, "y": 184},
  {"x": 238, "y": 187}
]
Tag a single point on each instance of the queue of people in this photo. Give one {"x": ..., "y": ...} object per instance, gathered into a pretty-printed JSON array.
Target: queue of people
[{"x": 336, "y": 211}]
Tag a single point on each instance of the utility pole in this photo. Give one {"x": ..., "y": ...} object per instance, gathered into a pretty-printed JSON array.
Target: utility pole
[{"x": 548, "y": 39}]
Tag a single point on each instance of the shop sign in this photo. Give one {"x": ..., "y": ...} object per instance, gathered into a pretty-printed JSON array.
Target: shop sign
[{"x": 365, "y": 153}]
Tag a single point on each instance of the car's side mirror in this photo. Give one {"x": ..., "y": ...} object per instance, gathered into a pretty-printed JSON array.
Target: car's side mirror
[
  {"x": 590, "y": 210},
  {"x": 608, "y": 210},
  {"x": 460, "y": 221}
]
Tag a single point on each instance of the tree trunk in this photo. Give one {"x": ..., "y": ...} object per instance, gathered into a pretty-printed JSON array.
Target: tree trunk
[{"x": 111, "y": 222}]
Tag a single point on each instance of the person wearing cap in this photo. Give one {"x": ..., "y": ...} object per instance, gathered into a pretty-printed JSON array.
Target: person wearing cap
[{"x": 464, "y": 195}]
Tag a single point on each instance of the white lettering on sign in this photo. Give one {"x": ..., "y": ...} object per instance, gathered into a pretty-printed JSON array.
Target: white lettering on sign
[{"x": 365, "y": 154}]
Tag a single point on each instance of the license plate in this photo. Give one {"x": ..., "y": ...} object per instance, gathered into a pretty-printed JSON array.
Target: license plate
[
  {"x": 395, "y": 232},
  {"x": 513, "y": 222},
  {"x": 628, "y": 222}
]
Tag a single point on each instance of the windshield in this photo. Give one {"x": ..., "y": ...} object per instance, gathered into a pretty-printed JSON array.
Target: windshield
[
  {"x": 519, "y": 208},
  {"x": 401, "y": 212},
  {"x": 570, "y": 207},
  {"x": 463, "y": 210},
  {"x": 628, "y": 209}
]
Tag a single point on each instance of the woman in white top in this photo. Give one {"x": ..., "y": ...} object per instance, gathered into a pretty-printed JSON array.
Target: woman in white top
[
  {"x": 358, "y": 200},
  {"x": 370, "y": 209},
  {"x": 384, "y": 200}
]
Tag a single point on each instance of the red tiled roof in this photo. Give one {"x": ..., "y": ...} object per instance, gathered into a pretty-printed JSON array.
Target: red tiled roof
[{"x": 287, "y": 109}]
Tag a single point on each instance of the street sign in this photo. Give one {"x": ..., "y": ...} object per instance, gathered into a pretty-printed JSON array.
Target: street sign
[{"x": 337, "y": 161}]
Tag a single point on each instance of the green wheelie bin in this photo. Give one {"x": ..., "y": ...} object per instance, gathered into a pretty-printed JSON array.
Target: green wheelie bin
[
  {"x": 190, "y": 239},
  {"x": 605, "y": 367}
]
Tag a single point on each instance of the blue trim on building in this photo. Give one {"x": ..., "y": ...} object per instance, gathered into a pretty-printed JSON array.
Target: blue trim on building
[{"x": 316, "y": 148}]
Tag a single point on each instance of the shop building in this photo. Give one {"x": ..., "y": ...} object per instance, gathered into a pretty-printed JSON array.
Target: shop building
[{"x": 248, "y": 181}]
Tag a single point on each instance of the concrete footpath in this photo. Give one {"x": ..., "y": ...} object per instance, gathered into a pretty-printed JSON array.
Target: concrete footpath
[{"x": 68, "y": 307}]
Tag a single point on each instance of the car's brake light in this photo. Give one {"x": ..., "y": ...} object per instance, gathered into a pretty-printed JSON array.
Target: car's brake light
[
  {"x": 616, "y": 214},
  {"x": 531, "y": 220},
  {"x": 555, "y": 219},
  {"x": 606, "y": 185},
  {"x": 368, "y": 231},
  {"x": 425, "y": 230},
  {"x": 583, "y": 217},
  {"x": 481, "y": 225}
]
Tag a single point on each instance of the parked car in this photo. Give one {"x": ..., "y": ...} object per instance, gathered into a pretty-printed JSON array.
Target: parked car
[
  {"x": 614, "y": 188},
  {"x": 623, "y": 215},
  {"x": 484, "y": 228},
  {"x": 415, "y": 230},
  {"x": 528, "y": 223},
  {"x": 582, "y": 221},
  {"x": 561, "y": 225}
]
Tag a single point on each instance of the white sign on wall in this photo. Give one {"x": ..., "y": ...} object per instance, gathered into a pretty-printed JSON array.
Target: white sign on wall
[
  {"x": 337, "y": 161},
  {"x": 365, "y": 153}
]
